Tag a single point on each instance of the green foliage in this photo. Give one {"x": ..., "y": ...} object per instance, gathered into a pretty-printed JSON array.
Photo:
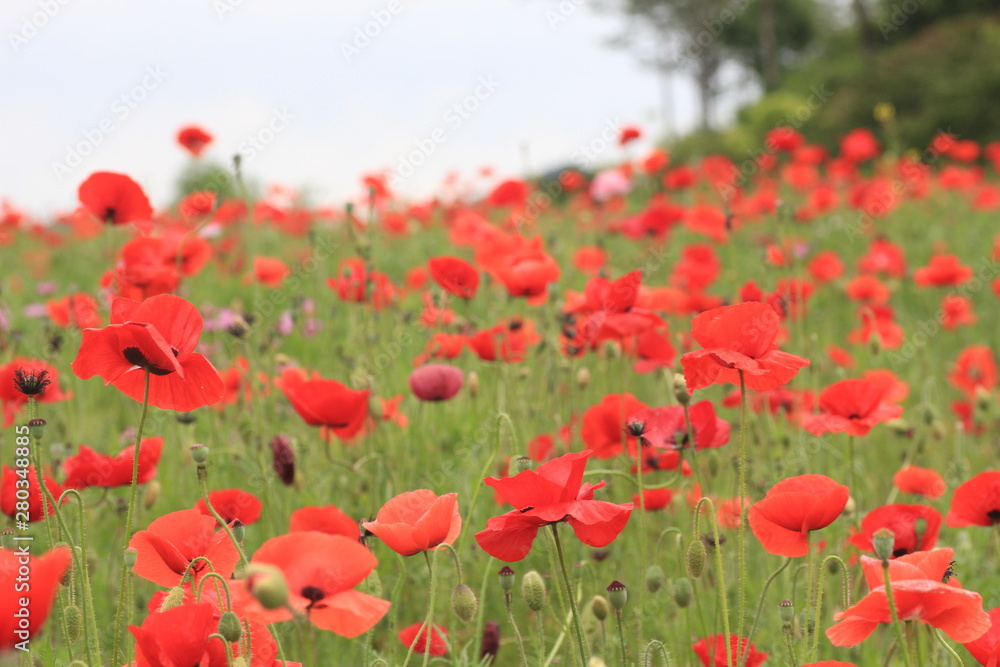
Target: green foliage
[{"x": 199, "y": 176}]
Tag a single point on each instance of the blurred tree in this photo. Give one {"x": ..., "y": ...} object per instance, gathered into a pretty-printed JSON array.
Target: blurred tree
[
  {"x": 901, "y": 19},
  {"x": 200, "y": 175}
]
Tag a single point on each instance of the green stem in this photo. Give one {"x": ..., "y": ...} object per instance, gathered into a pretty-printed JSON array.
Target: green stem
[
  {"x": 760, "y": 605},
  {"x": 584, "y": 654},
  {"x": 850, "y": 475},
  {"x": 720, "y": 575},
  {"x": 741, "y": 552},
  {"x": 655, "y": 644},
  {"x": 642, "y": 534},
  {"x": 503, "y": 416},
  {"x": 428, "y": 624},
  {"x": 90, "y": 623},
  {"x": 900, "y": 639},
  {"x": 522, "y": 656},
  {"x": 621, "y": 637},
  {"x": 957, "y": 658},
  {"x": 121, "y": 614},
  {"x": 539, "y": 637}
]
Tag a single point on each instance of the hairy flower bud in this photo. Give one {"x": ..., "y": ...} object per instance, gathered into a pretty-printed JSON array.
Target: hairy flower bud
[
  {"x": 683, "y": 592},
  {"x": 267, "y": 584},
  {"x": 654, "y": 578},
  {"x": 697, "y": 554},
  {"x": 74, "y": 622},
  {"x": 883, "y": 541},
  {"x": 464, "y": 603},
  {"x": 230, "y": 627},
  {"x": 533, "y": 590},
  {"x": 600, "y": 607}
]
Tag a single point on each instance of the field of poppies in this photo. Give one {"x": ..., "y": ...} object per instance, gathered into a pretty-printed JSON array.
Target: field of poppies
[{"x": 720, "y": 413}]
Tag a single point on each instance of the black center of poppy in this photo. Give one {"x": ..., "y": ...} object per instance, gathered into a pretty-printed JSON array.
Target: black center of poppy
[
  {"x": 680, "y": 438},
  {"x": 899, "y": 552},
  {"x": 994, "y": 516},
  {"x": 313, "y": 594},
  {"x": 109, "y": 215},
  {"x": 134, "y": 356},
  {"x": 854, "y": 415}
]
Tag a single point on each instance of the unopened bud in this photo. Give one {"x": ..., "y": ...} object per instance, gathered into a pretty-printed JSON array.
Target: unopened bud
[
  {"x": 239, "y": 530},
  {"x": 533, "y": 590},
  {"x": 683, "y": 592},
  {"x": 899, "y": 426},
  {"x": 472, "y": 382},
  {"x": 267, "y": 584},
  {"x": 173, "y": 599},
  {"x": 464, "y": 603},
  {"x": 600, "y": 607},
  {"x": 199, "y": 453},
  {"x": 919, "y": 528},
  {"x": 522, "y": 463},
  {"x": 583, "y": 377},
  {"x": 74, "y": 622},
  {"x": 617, "y": 595},
  {"x": 680, "y": 389},
  {"x": 283, "y": 460},
  {"x": 506, "y": 576},
  {"x": 654, "y": 578},
  {"x": 230, "y": 627},
  {"x": 938, "y": 430},
  {"x": 883, "y": 541},
  {"x": 375, "y": 409},
  {"x": 697, "y": 554}
]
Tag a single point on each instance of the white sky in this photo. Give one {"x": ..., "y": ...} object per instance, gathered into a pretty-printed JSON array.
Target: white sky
[{"x": 229, "y": 71}]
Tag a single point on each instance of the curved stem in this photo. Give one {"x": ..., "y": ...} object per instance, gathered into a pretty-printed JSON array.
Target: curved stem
[
  {"x": 659, "y": 646},
  {"x": 760, "y": 605},
  {"x": 581, "y": 643},
  {"x": 120, "y": 615},
  {"x": 947, "y": 646},
  {"x": 895, "y": 617},
  {"x": 502, "y": 416},
  {"x": 720, "y": 575}
]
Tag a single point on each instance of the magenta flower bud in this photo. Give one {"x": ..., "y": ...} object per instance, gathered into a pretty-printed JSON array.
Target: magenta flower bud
[{"x": 436, "y": 382}]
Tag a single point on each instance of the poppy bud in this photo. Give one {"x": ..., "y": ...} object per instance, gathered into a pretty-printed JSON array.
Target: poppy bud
[
  {"x": 786, "y": 610},
  {"x": 612, "y": 350},
  {"x": 267, "y": 584},
  {"x": 491, "y": 641},
  {"x": 600, "y": 607},
  {"x": 713, "y": 466},
  {"x": 983, "y": 400},
  {"x": 683, "y": 592},
  {"x": 617, "y": 595},
  {"x": 74, "y": 623},
  {"x": 919, "y": 528},
  {"x": 239, "y": 532},
  {"x": 175, "y": 598},
  {"x": 938, "y": 430},
  {"x": 875, "y": 344},
  {"x": 680, "y": 389},
  {"x": 522, "y": 463},
  {"x": 583, "y": 377},
  {"x": 533, "y": 590},
  {"x": 654, "y": 578},
  {"x": 697, "y": 554},
  {"x": 199, "y": 453},
  {"x": 130, "y": 555},
  {"x": 151, "y": 494},
  {"x": 899, "y": 426},
  {"x": 230, "y": 627},
  {"x": 883, "y": 541},
  {"x": 506, "y": 578},
  {"x": 464, "y": 603},
  {"x": 36, "y": 428},
  {"x": 473, "y": 381}
]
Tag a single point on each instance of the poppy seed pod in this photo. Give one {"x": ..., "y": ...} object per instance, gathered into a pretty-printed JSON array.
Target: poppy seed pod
[
  {"x": 36, "y": 428},
  {"x": 230, "y": 627},
  {"x": 523, "y": 463},
  {"x": 267, "y": 584},
  {"x": 654, "y": 578},
  {"x": 617, "y": 595},
  {"x": 680, "y": 389},
  {"x": 786, "y": 611},
  {"x": 697, "y": 554},
  {"x": 436, "y": 382},
  {"x": 239, "y": 532},
  {"x": 533, "y": 590},
  {"x": 600, "y": 607},
  {"x": 74, "y": 622},
  {"x": 130, "y": 554},
  {"x": 463, "y": 603},
  {"x": 506, "y": 576},
  {"x": 199, "y": 454},
  {"x": 883, "y": 541}
]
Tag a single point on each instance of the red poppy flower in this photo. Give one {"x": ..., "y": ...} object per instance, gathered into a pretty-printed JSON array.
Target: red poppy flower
[
  {"x": 436, "y": 382},
  {"x": 667, "y": 427},
  {"x": 902, "y": 521},
  {"x": 603, "y": 429},
  {"x": 13, "y": 479},
  {"x": 115, "y": 199},
  {"x": 712, "y": 651},
  {"x": 321, "y": 571},
  {"x": 270, "y": 271},
  {"x": 24, "y": 376},
  {"x": 408, "y": 636},
  {"x": 851, "y": 406},
  {"x": 792, "y": 508},
  {"x": 957, "y": 312},
  {"x": 826, "y": 266},
  {"x": 883, "y": 257},
  {"x": 46, "y": 573},
  {"x": 327, "y": 519},
  {"x": 77, "y": 310},
  {"x": 975, "y": 368},
  {"x": 455, "y": 276},
  {"x": 232, "y": 505},
  {"x": 158, "y": 335},
  {"x": 893, "y": 389},
  {"x": 868, "y": 289},
  {"x": 877, "y": 321},
  {"x": 511, "y": 192},
  {"x": 88, "y": 468},
  {"x": 653, "y": 499},
  {"x": 859, "y": 145},
  {"x": 920, "y": 594},
  {"x": 653, "y": 350},
  {"x": 590, "y": 259},
  {"x": 628, "y": 133},
  {"x": 739, "y": 338},
  {"x": 976, "y": 502},
  {"x": 173, "y": 541},
  {"x": 942, "y": 271},
  {"x": 921, "y": 481},
  {"x": 197, "y": 205},
  {"x": 328, "y": 404},
  {"x": 194, "y": 139},
  {"x": 986, "y": 649},
  {"x": 417, "y": 521},
  {"x": 552, "y": 493}
]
